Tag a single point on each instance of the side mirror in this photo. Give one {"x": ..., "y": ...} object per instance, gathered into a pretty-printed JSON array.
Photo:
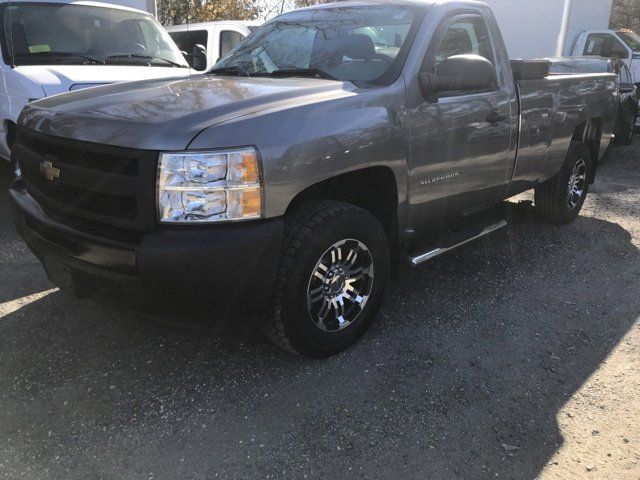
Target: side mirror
[
  {"x": 459, "y": 73},
  {"x": 198, "y": 58}
]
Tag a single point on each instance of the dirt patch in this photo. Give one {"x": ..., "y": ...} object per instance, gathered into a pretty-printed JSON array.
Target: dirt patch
[{"x": 514, "y": 357}]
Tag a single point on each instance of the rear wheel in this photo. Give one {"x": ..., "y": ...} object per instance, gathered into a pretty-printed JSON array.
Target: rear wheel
[
  {"x": 560, "y": 199},
  {"x": 626, "y": 132},
  {"x": 331, "y": 279}
]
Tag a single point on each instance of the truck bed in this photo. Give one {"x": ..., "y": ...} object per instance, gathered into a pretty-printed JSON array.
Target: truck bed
[{"x": 550, "y": 109}]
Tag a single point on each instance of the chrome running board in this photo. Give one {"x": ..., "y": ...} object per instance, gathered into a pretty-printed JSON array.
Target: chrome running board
[{"x": 423, "y": 257}]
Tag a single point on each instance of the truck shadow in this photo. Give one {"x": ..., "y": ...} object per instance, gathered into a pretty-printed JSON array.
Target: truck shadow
[
  {"x": 521, "y": 323},
  {"x": 477, "y": 349}
]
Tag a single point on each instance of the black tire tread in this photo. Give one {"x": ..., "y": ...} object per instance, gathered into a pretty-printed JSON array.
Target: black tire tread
[
  {"x": 550, "y": 196},
  {"x": 298, "y": 228},
  {"x": 627, "y": 139}
]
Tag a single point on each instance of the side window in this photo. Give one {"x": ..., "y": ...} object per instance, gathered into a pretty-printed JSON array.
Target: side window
[
  {"x": 228, "y": 41},
  {"x": 594, "y": 45},
  {"x": 465, "y": 36},
  {"x": 460, "y": 35},
  {"x": 618, "y": 50},
  {"x": 604, "y": 45},
  {"x": 187, "y": 40}
]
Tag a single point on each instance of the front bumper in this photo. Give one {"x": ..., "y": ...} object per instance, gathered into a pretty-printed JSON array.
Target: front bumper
[{"x": 210, "y": 272}]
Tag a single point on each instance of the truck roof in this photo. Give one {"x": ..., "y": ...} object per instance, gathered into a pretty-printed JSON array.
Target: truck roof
[
  {"x": 364, "y": 3},
  {"x": 76, "y": 2}
]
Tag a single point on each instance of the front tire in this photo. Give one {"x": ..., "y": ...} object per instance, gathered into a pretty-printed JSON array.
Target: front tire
[
  {"x": 560, "y": 199},
  {"x": 331, "y": 280}
]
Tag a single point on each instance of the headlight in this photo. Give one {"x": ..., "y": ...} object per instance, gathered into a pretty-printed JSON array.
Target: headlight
[{"x": 209, "y": 186}]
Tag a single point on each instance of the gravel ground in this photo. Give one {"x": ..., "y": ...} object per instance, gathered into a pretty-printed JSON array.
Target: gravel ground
[{"x": 514, "y": 357}]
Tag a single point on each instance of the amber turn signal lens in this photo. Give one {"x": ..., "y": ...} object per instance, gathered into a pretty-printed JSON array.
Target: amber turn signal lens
[
  {"x": 251, "y": 202},
  {"x": 243, "y": 168}
]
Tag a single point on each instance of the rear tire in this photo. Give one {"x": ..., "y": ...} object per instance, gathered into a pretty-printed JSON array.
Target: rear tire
[
  {"x": 560, "y": 199},
  {"x": 331, "y": 280},
  {"x": 627, "y": 131}
]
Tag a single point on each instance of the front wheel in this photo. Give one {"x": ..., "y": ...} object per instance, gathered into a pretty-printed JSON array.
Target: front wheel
[
  {"x": 560, "y": 199},
  {"x": 331, "y": 279}
]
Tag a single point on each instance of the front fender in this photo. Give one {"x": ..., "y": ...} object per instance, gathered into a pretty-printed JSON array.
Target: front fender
[{"x": 303, "y": 145}]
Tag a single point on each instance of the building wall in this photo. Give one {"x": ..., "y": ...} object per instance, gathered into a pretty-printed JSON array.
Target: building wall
[{"x": 544, "y": 28}]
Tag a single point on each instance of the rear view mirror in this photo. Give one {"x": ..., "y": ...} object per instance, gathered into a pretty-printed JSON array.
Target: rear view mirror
[{"x": 460, "y": 73}]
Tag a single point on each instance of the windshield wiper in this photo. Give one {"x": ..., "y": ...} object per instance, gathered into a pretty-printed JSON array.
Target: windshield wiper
[
  {"x": 143, "y": 56},
  {"x": 299, "y": 72},
  {"x": 231, "y": 70},
  {"x": 52, "y": 53}
]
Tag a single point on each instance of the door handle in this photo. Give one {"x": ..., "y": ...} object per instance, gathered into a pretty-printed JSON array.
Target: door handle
[{"x": 496, "y": 117}]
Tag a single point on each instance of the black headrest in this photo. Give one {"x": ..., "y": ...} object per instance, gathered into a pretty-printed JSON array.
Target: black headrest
[{"x": 358, "y": 46}]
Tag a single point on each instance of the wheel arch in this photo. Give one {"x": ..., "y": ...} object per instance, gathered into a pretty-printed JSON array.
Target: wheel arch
[
  {"x": 374, "y": 189},
  {"x": 590, "y": 133}
]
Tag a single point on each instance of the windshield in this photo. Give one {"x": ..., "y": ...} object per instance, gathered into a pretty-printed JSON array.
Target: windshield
[
  {"x": 631, "y": 39},
  {"x": 52, "y": 34},
  {"x": 358, "y": 44}
]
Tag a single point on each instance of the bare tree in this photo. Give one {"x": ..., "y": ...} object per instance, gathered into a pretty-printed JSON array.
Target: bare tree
[
  {"x": 307, "y": 3},
  {"x": 175, "y": 12},
  {"x": 271, "y": 8},
  {"x": 626, "y": 14}
]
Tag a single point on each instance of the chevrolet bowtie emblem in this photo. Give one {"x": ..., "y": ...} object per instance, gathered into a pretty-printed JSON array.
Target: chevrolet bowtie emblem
[{"x": 49, "y": 171}]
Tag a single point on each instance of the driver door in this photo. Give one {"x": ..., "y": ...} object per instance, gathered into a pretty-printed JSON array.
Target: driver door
[{"x": 460, "y": 142}]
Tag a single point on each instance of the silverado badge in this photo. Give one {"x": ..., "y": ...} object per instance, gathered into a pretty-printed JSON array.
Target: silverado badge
[{"x": 49, "y": 171}]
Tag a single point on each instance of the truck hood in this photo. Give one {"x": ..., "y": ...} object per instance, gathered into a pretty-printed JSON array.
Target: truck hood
[
  {"x": 168, "y": 114},
  {"x": 56, "y": 79}
]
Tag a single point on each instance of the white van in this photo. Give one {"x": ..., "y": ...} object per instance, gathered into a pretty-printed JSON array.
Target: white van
[
  {"x": 621, "y": 44},
  {"x": 52, "y": 47},
  {"x": 217, "y": 38}
]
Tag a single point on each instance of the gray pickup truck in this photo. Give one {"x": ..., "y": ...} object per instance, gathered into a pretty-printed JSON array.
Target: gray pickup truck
[{"x": 335, "y": 143}]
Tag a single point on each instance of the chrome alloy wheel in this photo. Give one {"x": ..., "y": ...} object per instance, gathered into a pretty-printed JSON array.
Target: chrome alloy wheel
[
  {"x": 340, "y": 285},
  {"x": 577, "y": 184}
]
